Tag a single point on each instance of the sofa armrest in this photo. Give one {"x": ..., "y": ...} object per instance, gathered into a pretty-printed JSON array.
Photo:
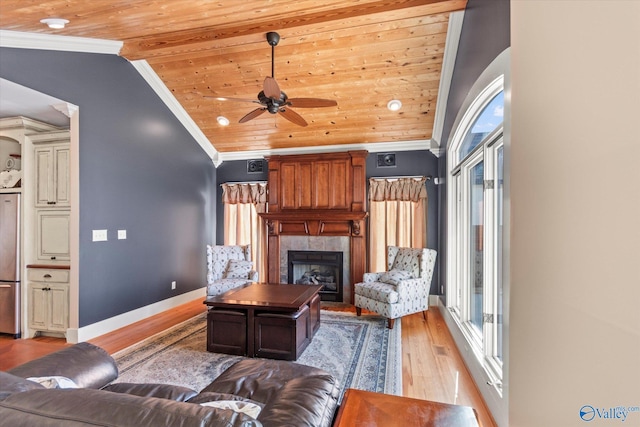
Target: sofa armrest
[
  {"x": 85, "y": 364},
  {"x": 164, "y": 391}
]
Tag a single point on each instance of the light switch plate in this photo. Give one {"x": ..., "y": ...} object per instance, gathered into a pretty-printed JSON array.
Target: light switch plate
[
  {"x": 122, "y": 234},
  {"x": 99, "y": 235}
]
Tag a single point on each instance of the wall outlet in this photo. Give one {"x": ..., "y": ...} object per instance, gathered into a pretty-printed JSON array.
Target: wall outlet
[
  {"x": 99, "y": 235},
  {"x": 122, "y": 234},
  {"x": 173, "y": 284}
]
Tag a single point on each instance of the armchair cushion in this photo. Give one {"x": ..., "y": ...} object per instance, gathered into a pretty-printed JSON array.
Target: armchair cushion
[
  {"x": 238, "y": 269},
  {"x": 378, "y": 291},
  {"x": 408, "y": 259},
  {"x": 224, "y": 285},
  {"x": 394, "y": 277}
]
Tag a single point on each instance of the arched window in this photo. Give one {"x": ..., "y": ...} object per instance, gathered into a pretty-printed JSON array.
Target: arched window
[
  {"x": 476, "y": 173},
  {"x": 487, "y": 121}
]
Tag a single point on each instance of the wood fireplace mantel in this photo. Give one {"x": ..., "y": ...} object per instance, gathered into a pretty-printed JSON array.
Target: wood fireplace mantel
[{"x": 318, "y": 195}]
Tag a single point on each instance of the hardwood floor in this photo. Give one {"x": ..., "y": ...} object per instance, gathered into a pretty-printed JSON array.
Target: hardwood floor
[{"x": 432, "y": 368}]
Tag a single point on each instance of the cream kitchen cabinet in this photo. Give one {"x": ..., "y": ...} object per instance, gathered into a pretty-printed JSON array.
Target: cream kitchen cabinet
[
  {"x": 52, "y": 242},
  {"x": 52, "y": 175},
  {"x": 48, "y": 300}
]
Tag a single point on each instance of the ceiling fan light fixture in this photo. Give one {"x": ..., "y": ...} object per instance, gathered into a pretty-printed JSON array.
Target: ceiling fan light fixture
[
  {"x": 394, "y": 105},
  {"x": 55, "y": 23},
  {"x": 222, "y": 121}
]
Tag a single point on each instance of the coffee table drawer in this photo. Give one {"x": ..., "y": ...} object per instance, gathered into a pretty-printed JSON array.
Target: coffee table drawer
[
  {"x": 227, "y": 332},
  {"x": 282, "y": 335}
]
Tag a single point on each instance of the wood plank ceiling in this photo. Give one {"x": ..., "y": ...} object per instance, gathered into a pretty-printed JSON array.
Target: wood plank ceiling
[{"x": 361, "y": 53}]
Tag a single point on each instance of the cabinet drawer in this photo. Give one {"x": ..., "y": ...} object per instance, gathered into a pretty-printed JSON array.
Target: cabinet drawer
[{"x": 48, "y": 275}]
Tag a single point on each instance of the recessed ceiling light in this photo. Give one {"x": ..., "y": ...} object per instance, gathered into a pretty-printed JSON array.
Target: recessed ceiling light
[
  {"x": 222, "y": 121},
  {"x": 394, "y": 105},
  {"x": 55, "y": 23}
]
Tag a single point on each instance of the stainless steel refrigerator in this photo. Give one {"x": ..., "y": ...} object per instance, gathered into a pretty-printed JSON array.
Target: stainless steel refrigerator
[{"x": 10, "y": 264}]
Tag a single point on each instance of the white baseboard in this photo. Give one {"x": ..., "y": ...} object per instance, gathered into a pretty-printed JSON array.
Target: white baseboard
[
  {"x": 85, "y": 333},
  {"x": 434, "y": 300}
]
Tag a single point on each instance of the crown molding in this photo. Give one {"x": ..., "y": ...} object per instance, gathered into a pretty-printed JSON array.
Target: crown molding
[
  {"x": 22, "y": 40},
  {"x": 448, "y": 63},
  {"x": 373, "y": 147}
]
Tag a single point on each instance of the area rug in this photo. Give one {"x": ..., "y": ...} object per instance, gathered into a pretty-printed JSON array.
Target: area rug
[{"x": 359, "y": 351}]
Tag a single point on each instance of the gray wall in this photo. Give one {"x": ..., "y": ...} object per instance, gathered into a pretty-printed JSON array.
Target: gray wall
[
  {"x": 485, "y": 34},
  {"x": 139, "y": 170}
]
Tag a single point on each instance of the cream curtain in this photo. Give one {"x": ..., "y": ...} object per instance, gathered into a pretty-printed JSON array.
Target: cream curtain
[
  {"x": 397, "y": 217},
  {"x": 242, "y": 224}
]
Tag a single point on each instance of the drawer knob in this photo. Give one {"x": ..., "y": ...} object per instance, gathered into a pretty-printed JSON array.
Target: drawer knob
[{"x": 47, "y": 276}]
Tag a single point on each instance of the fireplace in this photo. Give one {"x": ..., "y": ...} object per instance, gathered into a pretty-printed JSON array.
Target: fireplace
[
  {"x": 319, "y": 198},
  {"x": 317, "y": 268}
]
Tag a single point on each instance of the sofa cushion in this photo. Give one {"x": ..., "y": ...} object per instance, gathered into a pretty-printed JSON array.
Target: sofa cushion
[
  {"x": 85, "y": 364},
  {"x": 164, "y": 391},
  {"x": 81, "y": 407},
  {"x": 13, "y": 384},
  {"x": 292, "y": 394}
]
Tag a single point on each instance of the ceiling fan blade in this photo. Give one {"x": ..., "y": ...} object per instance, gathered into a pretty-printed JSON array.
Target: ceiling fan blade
[
  {"x": 226, "y": 98},
  {"x": 252, "y": 115},
  {"x": 292, "y": 116},
  {"x": 311, "y": 102},
  {"x": 271, "y": 88}
]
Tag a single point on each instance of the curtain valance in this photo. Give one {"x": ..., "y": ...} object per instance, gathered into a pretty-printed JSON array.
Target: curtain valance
[
  {"x": 254, "y": 193},
  {"x": 400, "y": 189}
]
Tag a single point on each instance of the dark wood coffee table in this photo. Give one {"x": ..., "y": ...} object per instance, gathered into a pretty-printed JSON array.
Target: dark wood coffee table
[{"x": 274, "y": 321}]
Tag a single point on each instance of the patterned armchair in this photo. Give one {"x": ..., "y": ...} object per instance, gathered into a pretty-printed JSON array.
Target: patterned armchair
[
  {"x": 403, "y": 289},
  {"x": 228, "y": 267}
]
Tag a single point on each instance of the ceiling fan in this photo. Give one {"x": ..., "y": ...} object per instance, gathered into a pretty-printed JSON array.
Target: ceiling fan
[{"x": 275, "y": 101}]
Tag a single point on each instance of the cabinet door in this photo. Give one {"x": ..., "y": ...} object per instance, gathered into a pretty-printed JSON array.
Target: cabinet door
[
  {"x": 61, "y": 175},
  {"x": 44, "y": 176},
  {"x": 37, "y": 306},
  {"x": 52, "y": 175},
  {"x": 53, "y": 235},
  {"x": 58, "y": 308}
]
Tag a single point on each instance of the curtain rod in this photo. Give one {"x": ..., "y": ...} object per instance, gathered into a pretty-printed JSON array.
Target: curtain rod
[
  {"x": 244, "y": 182},
  {"x": 428, "y": 177}
]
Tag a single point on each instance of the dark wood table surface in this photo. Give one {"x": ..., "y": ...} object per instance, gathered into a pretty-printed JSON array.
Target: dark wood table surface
[
  {"x": 271, "y": 297},
  {"x": 369, "y": 409}
]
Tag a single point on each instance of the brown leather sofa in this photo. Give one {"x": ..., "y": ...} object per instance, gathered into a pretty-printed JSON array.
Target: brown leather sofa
[{"x": 289, "y": 394}]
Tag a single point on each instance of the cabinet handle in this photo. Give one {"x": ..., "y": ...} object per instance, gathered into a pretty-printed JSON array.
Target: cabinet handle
[
  {"x": 51, "y": 203},
  {"x": 47, "y": 276},
  {"x": 53, "y": 257}
]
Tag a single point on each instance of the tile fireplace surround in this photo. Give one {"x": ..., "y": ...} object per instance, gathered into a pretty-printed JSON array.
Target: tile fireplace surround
[{"x": 318, "y": 243}]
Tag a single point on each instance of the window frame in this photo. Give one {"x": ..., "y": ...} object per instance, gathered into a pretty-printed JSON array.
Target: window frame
[{"x": 484, "y": 343}]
